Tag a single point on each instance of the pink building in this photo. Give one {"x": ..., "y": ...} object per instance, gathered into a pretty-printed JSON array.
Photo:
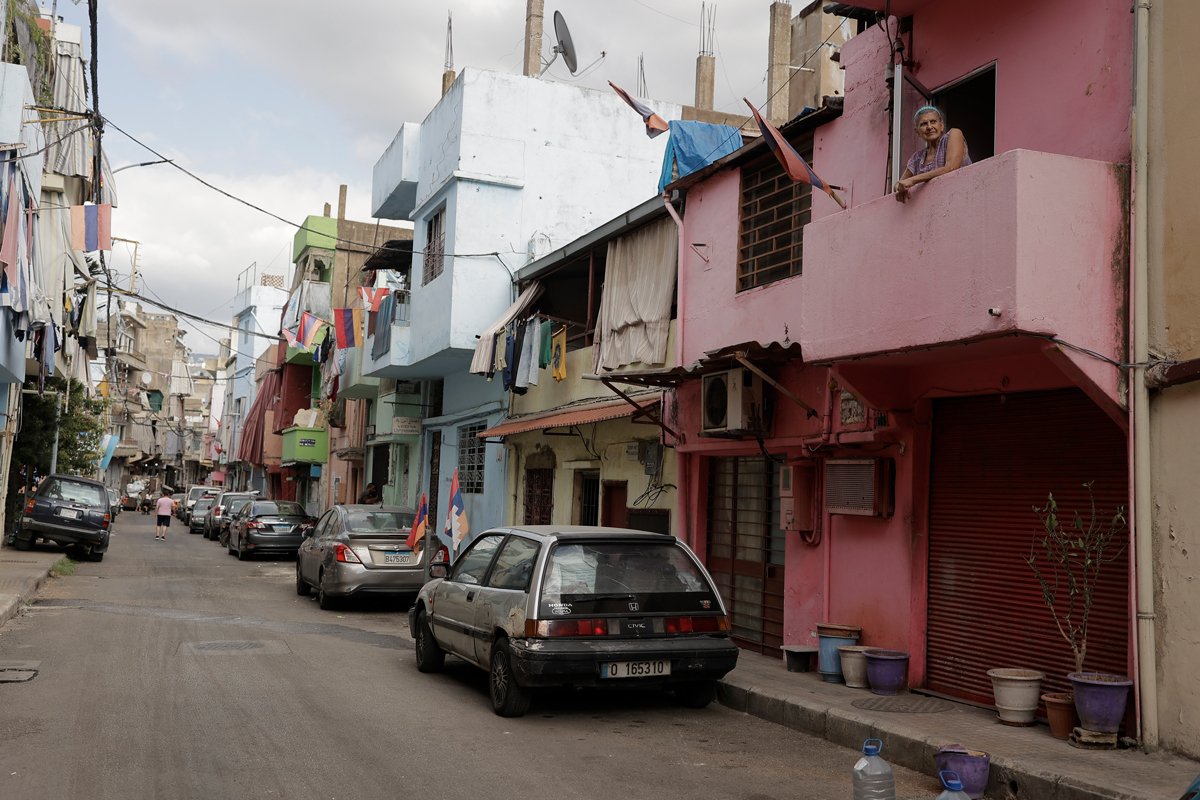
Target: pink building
[{"x": 880, "y": 396}]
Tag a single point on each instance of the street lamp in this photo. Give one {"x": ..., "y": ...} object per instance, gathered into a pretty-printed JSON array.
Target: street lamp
[{"x": 143, "y": 164}]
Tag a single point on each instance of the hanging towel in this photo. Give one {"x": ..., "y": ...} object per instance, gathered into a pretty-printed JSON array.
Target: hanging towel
[
  {"x": 510, "y": 344},
  {"x": 547, "y": 349},
  {"x": 558, "y": 359},
  {"x": 533, "y": 361}
]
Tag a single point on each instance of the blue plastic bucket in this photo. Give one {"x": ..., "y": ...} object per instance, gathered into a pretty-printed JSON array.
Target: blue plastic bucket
[{"x": 829, "y": 638}]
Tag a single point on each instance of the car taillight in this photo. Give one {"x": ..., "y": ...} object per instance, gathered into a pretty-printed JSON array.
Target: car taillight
[
  {"x": 254, "y": 524},
  {"x": 695, "y": 624},
  {"x": 344, "y": 554},
  {"x": 216, "y": 512},
  {"x": 552, "y": 628},
  {"x": 29, "y": 505},
  {"x": 107, "y": 520}
]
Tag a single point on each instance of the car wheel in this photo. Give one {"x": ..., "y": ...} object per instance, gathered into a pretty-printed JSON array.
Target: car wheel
[
  {"x": 21, "y": 543},
  {"x": 94, "y": 556},
  {"x": 302, "y": 587},
  {"x": 241, "y": 551},
  {"x": 696, "y": 695},
  {"x": 324, "y": 599},
  {"x": 508, "y": 698},
  {"x": 430, "y": 655},
  {"x": 228, "y": 546}
]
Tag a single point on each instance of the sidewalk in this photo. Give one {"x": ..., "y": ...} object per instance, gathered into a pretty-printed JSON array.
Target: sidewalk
[{"x": 1025, "y": 762}]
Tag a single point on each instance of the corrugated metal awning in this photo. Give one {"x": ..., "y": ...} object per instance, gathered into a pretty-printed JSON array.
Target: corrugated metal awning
[{"x": 566, "y": 417}]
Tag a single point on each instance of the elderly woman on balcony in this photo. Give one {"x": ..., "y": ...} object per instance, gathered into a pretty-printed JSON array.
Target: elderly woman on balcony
[{"x": 944, "y": 151}]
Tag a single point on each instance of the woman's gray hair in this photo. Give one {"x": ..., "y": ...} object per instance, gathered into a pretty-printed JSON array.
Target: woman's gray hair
[{"x": 925, "y": 110}]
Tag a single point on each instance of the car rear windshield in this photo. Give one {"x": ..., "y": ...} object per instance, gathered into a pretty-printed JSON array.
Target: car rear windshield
[
  {"x": 73, "y": 492},
  {"x": 608, "y": 576},
  {"x": 202, "y": 504},
  {"x": 277, "y": 509},
  {"x": 378, "y": 520}
]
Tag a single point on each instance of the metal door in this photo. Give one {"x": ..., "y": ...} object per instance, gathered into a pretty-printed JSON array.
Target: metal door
[
  {"x": 745, "y": 552},
  {"x": 539, "y": 496},
  {"x": 994, "y": 459}
]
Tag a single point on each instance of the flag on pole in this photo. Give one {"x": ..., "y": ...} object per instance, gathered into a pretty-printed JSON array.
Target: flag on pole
[
  {"x": 309, "y": 327},
  {"x": 457, "y": 528},
  {"x": 796, "y": 167},
  {"x": 347, "y": 327},
  {"x": 420, "y": 524},
  {"x": 372, "y": 297},
  {"x": 654, "y": 123},
  {"x": 91, "y": 227}
]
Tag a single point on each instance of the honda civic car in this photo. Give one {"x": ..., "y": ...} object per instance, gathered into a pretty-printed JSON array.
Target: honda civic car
[
  {"x": 542, "y": 606},
  {"x": 69, "y": 511}
]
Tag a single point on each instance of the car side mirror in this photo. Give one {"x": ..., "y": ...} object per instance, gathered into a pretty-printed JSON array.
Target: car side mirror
[
  {"x": 307, "y": 530},
  {"x": 438, "y": 571}
]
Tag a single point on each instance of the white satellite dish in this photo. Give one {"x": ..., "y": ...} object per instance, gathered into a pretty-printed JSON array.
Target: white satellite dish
[
  {"x": 565, "y": 46},
  {"x": 146, "y": 379}
]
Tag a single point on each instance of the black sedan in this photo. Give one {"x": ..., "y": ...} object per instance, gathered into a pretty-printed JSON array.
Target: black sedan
[
  {"x": 576, "y": 606},
  {"x": 268, "y": 526},
  {"x": 69, "y": 511}
]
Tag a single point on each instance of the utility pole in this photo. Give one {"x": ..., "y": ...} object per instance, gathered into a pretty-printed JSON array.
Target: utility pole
[{"x": 58, "y": 414}]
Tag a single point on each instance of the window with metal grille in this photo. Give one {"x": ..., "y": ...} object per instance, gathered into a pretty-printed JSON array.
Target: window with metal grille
[
  {"x": 435, "y": 246},
  {"x": 774, "y": 211},
  {"x": 470, "y": 459}
]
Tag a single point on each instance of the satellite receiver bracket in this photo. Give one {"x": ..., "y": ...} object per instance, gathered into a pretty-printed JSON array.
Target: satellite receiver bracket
[{"x": 565, "y": 46}]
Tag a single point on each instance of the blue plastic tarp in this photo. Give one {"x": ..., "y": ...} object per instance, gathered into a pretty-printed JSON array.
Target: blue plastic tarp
[{"x": 695, "y": 145}]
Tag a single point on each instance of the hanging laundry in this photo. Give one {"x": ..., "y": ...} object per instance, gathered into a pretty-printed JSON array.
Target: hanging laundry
[
  {"x": 546, "y": 352},
  {"x": 558, "y": 359},
  {"x": 347, "y": 327},
  {"x": 510, "y": 358},
  {"x": 520, "y": 382},
  {"x": 525, "y": 361},
  {"x": 534, "y": 342},
  {"x": 91, "y": 227},
  {"x": 12, "y": 228}
]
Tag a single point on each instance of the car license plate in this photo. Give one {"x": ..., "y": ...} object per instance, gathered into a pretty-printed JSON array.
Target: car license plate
[
  {"x": 635, "y": 669},
  {"x": 397, "y": 558},
  {"x": 69, "y": 513}
]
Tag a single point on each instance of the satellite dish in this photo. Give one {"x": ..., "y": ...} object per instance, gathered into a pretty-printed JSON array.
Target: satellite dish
[
  {"x": 146, "y": 379},
  {"x": 565, "y": 46}
]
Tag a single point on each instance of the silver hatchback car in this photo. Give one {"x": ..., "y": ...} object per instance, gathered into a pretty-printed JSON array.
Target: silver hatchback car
[
  {"x": 360, "y": 549},
  {"x": 576, "y": 606}
]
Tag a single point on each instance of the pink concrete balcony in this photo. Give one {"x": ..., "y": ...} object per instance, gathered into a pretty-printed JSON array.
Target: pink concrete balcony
[{"x": 1025, "y": 242}]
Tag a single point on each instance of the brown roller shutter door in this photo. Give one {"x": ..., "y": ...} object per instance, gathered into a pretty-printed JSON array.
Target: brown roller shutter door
[{"x": 994, "y": 459}]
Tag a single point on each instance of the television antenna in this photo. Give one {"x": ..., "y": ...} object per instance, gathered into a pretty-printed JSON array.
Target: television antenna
[{"x": 565, "y": 46}]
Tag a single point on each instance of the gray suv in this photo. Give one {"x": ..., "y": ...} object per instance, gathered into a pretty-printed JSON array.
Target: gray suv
[{"x": 69, "y": 511}]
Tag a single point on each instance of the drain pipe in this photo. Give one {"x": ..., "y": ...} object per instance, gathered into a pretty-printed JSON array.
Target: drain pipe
[
  {"x": 1147, "y": 666},
  {"x": 683, "y": 461}
]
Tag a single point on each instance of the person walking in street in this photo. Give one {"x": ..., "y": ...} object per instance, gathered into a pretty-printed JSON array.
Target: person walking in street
[{"x": 163, "y": 507}]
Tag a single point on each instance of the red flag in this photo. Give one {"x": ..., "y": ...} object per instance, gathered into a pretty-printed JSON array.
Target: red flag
[
  {"x": 654, "y": 123},
  {"x": 793, "y": 164},
  {"x": 347, "y": 327}
]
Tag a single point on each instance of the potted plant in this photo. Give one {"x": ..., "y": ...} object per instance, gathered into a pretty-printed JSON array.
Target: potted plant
[{"x": 1067, "y": 561}]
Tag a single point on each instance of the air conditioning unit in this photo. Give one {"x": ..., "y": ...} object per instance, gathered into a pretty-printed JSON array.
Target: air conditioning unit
[
  {"x": 859, "y": 486},
  {"x": 732, "y": 401}
]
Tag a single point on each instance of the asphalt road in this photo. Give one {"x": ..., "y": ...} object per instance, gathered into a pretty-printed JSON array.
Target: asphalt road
[{"x": 172, "y": 670}]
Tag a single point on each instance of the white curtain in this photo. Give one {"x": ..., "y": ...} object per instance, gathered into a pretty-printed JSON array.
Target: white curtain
[{"x": 635, "y": 308}]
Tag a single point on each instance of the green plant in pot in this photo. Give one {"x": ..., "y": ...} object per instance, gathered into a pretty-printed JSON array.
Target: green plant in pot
[{"x": 1068, "y": 560}]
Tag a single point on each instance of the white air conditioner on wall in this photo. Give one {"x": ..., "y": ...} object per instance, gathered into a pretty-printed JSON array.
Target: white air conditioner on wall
[{"x": 732, "y": 401}]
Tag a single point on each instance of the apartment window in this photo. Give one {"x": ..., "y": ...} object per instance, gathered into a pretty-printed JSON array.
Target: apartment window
[
  {"x": 774, "y": 211},
  {"x": 435, "y": 246},
  {"x": 470, "y": 459}
]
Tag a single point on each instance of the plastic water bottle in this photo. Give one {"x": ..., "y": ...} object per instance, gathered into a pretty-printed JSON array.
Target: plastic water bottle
[
  {"x": 954, "y": 787},
  {"x": 873, "y": 779}
]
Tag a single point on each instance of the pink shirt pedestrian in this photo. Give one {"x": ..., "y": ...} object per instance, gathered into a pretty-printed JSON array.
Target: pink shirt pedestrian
[{"x": 164, "y": 506}]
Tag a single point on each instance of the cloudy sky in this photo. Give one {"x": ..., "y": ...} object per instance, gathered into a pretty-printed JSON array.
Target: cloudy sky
[{"x": 281, "y": 101}]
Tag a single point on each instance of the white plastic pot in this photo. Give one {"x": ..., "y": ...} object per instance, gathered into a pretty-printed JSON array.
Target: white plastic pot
[{"x": 1016, "y": 692}]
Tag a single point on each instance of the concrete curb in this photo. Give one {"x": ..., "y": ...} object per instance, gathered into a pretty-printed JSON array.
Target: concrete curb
[
  {"x": 1023, "y": 764},
  {"x": 19, "y": 582}
]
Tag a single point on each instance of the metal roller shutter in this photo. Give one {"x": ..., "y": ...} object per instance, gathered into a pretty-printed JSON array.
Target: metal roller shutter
[{"x": 994, "y": 459}]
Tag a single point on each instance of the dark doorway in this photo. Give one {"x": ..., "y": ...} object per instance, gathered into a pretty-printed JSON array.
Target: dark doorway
[
  {"x": 614, "y": 505},
  {"x": 589, "y": 497},
  {"x": 970, "y": 105},
  {"x": 539, "y": 496}
]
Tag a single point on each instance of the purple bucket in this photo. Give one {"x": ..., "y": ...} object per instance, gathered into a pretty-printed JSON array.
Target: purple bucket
[
  {"x": 887, "y": 671},
  {"x": 1100, "y": 700},
  {"x": 972, "y": 767}
]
